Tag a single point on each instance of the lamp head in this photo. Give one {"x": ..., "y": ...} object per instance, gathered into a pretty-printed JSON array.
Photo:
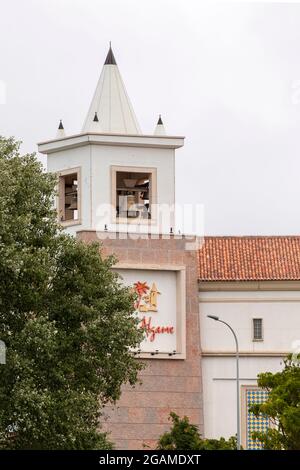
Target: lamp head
[{"x": 213, "y": 317}]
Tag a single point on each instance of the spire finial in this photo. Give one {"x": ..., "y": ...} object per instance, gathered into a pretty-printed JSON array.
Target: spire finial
[
  {"x": 110, "y": 58},
  {"x": 160, "y": 128},
  {"x": 60, "y": 133}
]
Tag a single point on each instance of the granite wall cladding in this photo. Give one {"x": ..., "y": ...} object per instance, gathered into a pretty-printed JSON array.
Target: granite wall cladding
[{"x": 141, "y": 415}]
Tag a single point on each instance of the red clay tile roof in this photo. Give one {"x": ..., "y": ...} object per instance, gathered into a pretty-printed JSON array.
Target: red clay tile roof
[{"x": 249, "y": 259}]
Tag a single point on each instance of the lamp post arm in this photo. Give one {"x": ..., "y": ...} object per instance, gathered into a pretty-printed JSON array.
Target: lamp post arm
[{"x": 233, "y": 332}]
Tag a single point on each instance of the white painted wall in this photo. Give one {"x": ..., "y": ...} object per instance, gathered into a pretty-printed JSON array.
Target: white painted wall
[
  {"x": 104, "y": 157},
  {"x": 280, "y": 311},
  {"x": 96, "y": 161},
  {"x": 219, "y": 389}
]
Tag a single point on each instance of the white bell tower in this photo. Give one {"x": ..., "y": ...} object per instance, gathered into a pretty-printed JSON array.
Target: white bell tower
[{"x": 113, "y": 177}]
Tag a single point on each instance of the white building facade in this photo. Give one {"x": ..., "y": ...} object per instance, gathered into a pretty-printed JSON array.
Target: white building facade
[{"x": 240, "y": 283}]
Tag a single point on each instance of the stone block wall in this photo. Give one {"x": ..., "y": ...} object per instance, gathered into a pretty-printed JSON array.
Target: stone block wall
[{"x": 141, "y": 415}]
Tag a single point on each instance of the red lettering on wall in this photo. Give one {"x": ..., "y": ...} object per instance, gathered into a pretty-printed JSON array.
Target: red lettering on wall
[{"x": 152, "y": 331}]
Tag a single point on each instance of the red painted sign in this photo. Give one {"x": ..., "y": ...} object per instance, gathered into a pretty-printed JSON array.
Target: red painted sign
[{"x": 152, "y": 331}]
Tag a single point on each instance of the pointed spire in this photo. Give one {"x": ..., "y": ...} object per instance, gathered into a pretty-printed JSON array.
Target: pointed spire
[
  {"x": 160, "y": 128},
  {"x": 111, "y": 103},
  {"x": 110, "y": 58},
  {"x": 60, "y": 134}
]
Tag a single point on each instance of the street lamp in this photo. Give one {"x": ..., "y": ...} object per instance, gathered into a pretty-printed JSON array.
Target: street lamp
[{"x": 213, "y": 317}]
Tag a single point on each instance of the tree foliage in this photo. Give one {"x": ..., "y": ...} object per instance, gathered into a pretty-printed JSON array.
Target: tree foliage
[
  {"x": 185, "y": 436},
  {"x": 65, "y": 318},
  {"x": 282, "y": 407}
]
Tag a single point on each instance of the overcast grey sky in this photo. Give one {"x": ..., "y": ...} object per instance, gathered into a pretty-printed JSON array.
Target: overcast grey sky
[{"x": 225, "y": 75}]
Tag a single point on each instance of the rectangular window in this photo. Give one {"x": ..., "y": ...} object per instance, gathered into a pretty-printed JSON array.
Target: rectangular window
[
  {"x": 257, "y": 329},
  {"x": 69, "y": 196},
  {"x": 133, "y": 193}
]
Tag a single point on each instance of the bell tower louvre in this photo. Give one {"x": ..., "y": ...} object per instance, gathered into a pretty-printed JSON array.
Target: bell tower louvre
[{"x": 117, "y": 185}]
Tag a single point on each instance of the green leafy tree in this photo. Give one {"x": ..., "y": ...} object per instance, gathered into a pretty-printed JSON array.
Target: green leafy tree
[
  {"x": 65, "y": 318},
  {"x": 282, "y": 407},
  {"x": 185, "y": 436}
]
